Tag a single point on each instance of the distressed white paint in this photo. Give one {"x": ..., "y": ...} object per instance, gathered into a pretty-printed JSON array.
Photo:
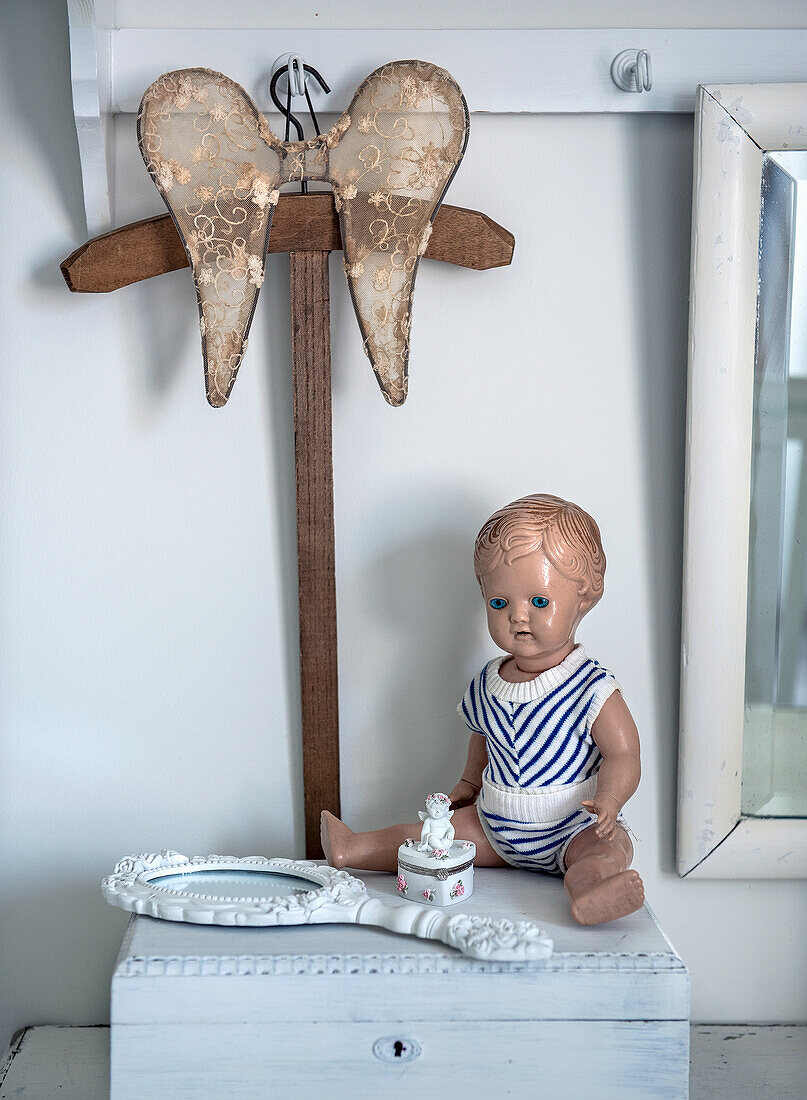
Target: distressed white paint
[
  {"x": 758, "y": 847},
  {"x": 740, "y": 1061},
  {"x": 624, "y": 970},
  {"x": 45, "y": 1062},
  {"x": 206, "y": 1003},
  {"x": 725, "y": 1061},
  {"x": 734, "y": 124},
  {"x": 625, "y": 1058}
]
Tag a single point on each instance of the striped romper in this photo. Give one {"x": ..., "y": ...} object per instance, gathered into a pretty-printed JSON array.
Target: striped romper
[{"x": 542, "y": 759}]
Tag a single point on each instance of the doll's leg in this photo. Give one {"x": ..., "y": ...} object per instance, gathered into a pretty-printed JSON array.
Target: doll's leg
[
  {"x": 599, "y": 884},
  {"x": 378, "y": 850},
  {"x": 467, "y": 827}
]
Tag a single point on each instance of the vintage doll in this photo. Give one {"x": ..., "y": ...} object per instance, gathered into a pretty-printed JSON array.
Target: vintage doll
[{"x": 553, "y": 744}]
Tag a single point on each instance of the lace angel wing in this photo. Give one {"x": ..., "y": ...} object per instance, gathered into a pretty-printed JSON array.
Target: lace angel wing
[
  {"x": 212, "y": 157},
  {"x": 390, "y": 170}
]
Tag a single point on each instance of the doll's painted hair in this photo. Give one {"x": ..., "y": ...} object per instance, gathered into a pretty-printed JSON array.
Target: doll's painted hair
[{"x": 563, "y": 531}]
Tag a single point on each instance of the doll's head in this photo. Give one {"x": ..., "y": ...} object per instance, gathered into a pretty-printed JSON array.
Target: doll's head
[{"x": 540, "y": 564}]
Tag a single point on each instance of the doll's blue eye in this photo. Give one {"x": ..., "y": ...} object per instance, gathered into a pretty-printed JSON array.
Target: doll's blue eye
[
  {"x": 539, "y": 601},
  {"x": 498, "y": 603}
]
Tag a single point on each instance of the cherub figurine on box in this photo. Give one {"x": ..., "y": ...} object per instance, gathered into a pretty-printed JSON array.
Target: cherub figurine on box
[
  {"x": 553, "y": 743},
  {"x": 437, "y": 830}
]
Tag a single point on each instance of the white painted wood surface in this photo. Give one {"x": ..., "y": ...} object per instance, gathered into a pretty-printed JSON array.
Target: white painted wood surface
[
  {"x": 503, "y": 71},
  {"x": 725, "y": 1061},
  {"x": 90, "y": 73},
  {"x": 759, "y": 847},
  {"x": 43, "y": 1063},
  {"x": 734, "y": 124},
  {"x": 561, "y": 1059},
  {"x": 737, "y": 1061},
  {"x": 207, "y": 1003}
]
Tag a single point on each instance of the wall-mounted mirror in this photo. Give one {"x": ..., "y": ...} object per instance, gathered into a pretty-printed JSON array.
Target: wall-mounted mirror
[
  {"x": 743, "y": 755},
  {"x": 775, "y": 727}
]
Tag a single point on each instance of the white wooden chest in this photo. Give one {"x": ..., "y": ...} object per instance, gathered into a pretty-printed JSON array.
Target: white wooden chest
[{"x": 342, "y": 1011}]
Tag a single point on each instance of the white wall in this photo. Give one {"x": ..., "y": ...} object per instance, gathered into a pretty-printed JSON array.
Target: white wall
[{"x": 148, "y": 625}]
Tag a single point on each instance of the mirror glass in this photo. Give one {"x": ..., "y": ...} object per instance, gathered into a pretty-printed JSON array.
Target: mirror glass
[
  {"x": 775, "y": 732},
  {"x": 236, "y": 884}
]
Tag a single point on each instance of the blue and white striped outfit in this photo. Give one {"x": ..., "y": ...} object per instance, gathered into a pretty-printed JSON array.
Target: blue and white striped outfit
[{"x": 542, "y": 759}]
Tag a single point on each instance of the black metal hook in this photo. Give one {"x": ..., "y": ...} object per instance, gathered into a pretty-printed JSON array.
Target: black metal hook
[{"x": 286, "y": 110}]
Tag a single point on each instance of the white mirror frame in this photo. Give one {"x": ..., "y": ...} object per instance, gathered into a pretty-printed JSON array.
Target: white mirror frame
[
  {"x": 735, "y": 124},
  {"x": 335, "y": 897},
  {"x": 135, "y": 885}
]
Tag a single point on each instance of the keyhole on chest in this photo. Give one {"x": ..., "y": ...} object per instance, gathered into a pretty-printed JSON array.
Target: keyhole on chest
[{"x": 396, "y": 1050}]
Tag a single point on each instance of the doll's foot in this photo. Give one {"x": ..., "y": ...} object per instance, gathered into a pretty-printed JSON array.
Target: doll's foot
[
  {"x": 335, "y": 837},
  {"x": 610, "y": 899}
]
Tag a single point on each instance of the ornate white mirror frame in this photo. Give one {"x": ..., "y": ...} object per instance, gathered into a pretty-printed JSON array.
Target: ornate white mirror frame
[
  {"x": 256, "y": 892},
  {"x": 735, "y": 126}
]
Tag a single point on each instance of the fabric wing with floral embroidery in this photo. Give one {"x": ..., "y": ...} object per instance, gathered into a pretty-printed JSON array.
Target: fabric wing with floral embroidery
[{"x": 219, "y": 167}]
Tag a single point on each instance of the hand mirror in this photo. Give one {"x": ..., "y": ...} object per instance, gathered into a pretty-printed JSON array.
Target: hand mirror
[{"x": 256, "y": 892}]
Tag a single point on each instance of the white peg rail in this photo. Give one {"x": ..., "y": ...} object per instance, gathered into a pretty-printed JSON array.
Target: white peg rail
[{"x": 500, "y": 71}]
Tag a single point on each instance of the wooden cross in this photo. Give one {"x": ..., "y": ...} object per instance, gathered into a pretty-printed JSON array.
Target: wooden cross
[{"x": 305, "y": 226}]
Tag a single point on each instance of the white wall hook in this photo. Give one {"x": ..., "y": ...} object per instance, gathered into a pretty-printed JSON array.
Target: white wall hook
[
  {"x": 630, "y": 71},
  {"x": 295, "y": 71}
]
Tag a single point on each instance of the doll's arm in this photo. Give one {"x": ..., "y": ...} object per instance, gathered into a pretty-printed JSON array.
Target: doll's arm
[
  {"x": 466, "y": 791},
  {"x": 617, "y": 738}
]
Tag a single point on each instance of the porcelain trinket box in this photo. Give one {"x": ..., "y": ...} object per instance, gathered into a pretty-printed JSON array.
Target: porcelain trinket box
[
  {"x": 439, "y": 870},
  {"x": 443, "y": 877}
]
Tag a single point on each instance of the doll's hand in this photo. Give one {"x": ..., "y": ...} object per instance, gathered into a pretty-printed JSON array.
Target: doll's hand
[
  {"x": 463, "y": 794},
  {"x": 606, "y": 807}
]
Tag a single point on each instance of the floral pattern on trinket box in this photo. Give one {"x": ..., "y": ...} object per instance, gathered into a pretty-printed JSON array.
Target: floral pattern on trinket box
[
  {"x": 457, "y": 890},
  {"x": 428, "y": 895},
  {"x": 402, "y": 887}
]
